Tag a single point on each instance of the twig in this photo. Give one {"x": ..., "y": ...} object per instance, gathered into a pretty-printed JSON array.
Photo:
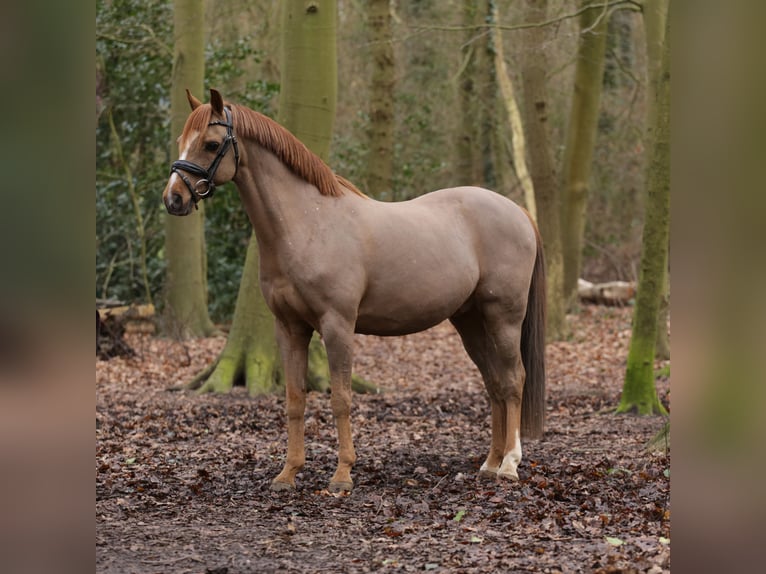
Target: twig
[
  {"x": 632, "y": 5},
  {"x": 136, "y": 205},
  {"x": 439, "y": 482},
  {"x": 173, "y": 560}
]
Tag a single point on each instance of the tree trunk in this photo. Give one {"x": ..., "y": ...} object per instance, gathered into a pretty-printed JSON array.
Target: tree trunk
[
  {"x": 307, "y": 109},
  {"x": 381, "y": 128},
  {"x": 486, "y": 99},
  {"x": 309, "y": 72},
  {"x": 541, "y": 165},
  {"x": 654, "y": 15},
  {"x": 250, "y": 356},
  {"x": 581, "y": 137},
  {"x": 185, "y": 313},
  {"x": 518, "y": 143},
  {"x": 639, "y": 392},
  {"x": 465, "y": 150}
]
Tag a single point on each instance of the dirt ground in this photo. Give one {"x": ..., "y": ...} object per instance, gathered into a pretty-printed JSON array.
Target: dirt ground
[{"x": 182, "y": 481}]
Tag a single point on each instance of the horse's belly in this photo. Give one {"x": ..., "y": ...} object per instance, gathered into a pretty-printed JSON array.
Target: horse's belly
[
  {"x": 390, "y": 326},
  {"x": 408, "y": 309}
]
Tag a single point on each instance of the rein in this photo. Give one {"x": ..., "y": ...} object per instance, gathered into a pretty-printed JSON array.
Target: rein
[{"x": 205, "y": 187}]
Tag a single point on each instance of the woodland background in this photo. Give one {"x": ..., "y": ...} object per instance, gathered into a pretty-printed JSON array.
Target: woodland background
[{"x": 436, "y": 59}]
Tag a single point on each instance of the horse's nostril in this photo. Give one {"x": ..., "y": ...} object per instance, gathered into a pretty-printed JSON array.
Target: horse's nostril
[{"x": 174, "y": 203}]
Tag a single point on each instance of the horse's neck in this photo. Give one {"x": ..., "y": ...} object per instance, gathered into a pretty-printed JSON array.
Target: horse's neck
[{"x": 280, "y": 205}]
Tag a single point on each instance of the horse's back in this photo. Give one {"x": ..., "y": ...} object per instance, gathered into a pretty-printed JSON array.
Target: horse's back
[
  {"x": 501, "y": 229},
  {"x": 427, "y": 257}
]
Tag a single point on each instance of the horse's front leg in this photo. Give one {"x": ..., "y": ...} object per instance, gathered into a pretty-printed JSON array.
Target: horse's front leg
[
  {"x": 293, "y": 341},
  {"x": 338, "y": 335}
]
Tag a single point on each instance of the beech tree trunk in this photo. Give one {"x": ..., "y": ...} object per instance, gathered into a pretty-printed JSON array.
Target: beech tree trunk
[
  {"x": 307, "y": 109},
  {"x": 541, "y": 164},
  {"x": 581, "y": 137},
  {"x": 465, "y": 150},
  {"x": 250, "y": 356},
  {"x": 381, "y": 129},
  {"x": 639, "y": 392},
  {"x": 654, "y": 14},
  {"x": 185, "y": 311},
  {"x": 518, "y": 142}
]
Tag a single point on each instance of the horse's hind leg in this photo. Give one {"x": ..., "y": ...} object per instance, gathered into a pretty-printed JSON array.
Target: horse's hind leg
[{"x": 492, "y": 341}]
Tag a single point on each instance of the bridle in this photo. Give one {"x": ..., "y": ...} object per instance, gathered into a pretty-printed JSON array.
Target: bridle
[{"x": 206, "y": 186}]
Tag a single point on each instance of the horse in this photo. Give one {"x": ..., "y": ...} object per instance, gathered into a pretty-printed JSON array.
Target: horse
[{"x": 335, "y": 261}]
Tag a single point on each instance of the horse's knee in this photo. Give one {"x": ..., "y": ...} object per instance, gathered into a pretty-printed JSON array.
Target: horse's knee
[{"x": 505, "y": 390}]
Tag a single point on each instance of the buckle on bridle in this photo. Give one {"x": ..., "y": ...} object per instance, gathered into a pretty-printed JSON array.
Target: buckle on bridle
[{"x": 209, "y": 187}]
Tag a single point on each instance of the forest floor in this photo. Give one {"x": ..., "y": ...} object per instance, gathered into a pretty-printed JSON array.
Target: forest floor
[{"x": 182, "y": 481}]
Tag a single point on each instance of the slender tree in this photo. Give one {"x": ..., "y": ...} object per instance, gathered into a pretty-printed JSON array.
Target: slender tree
[
  {"x": 541, "y": 164},
  {"x": 477, "y": 157},
  {"x": 581, "y": 136},
  {"x": 518, "y": 139},
  {"x": 185, "y": 312},
  {"x": 639, "y": 392},
  {"x": 381, "y": 107},
  {"x": 466, "y": 140},
  {"x": 654, "y": 15},
  {"x": 486, "y": 99}
]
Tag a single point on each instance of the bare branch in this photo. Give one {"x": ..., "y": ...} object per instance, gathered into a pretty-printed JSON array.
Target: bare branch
[{"x": 626, "y": 4}]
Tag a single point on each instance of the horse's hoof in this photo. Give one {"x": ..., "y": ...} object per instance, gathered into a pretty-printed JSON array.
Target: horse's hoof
[
  {"x": 341, "y": 486},
  {"x": 279, "y": 485},
  {"x": 512, "y": 476},
  {"x": 488, "y": 471}
]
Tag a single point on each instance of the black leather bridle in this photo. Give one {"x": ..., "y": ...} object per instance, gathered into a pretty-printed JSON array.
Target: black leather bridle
[{"x": 206, "y": 186}]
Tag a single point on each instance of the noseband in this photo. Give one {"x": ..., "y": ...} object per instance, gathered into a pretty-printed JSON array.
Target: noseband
[{"x": 206, "y": 186}]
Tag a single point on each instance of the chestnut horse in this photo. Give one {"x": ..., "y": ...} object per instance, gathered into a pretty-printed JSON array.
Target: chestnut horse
[{"x": 335, "y": 261}]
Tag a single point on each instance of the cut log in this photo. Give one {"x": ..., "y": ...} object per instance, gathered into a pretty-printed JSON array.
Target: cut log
[
  {"x": 114, "y": 321},
  {"x": 110, "y": 338},
  {"x": 135, "y": 318},
  {"x": 609, "y": 293}
]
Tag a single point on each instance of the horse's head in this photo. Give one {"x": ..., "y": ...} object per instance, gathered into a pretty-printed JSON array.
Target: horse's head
[{"x": 207, "y": 137}]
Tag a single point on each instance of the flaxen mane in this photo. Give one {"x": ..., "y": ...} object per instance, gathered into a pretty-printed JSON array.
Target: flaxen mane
[{"x": 272, "y": 136}]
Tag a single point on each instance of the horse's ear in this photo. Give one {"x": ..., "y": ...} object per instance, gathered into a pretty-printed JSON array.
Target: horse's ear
[
  {"x": 193, "y": 102},
  {"x": 216, "y": 100}
]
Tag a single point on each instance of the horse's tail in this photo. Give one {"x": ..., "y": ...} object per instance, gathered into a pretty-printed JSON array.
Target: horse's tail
[{"x": 533, "y": 348}]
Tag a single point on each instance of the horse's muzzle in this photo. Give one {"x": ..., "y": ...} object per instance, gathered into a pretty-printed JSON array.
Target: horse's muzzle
[{"x": 175, "y": 204}]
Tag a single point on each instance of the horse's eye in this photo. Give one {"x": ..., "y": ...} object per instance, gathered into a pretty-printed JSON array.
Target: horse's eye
[{"x": 211, "y": 146}]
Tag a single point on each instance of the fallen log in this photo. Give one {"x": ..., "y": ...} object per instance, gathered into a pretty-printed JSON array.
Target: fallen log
[
  {"x": 110, "y": 338},
  {"x": 609, "y": 293},
  {"x": 136, "y": 318},
  {"x": 114, "y": 321}
]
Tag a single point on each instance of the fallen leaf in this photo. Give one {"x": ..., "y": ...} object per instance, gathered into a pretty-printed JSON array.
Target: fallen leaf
[{"x": 614, "y": 541}]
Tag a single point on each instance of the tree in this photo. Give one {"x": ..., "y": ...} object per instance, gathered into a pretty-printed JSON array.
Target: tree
[
  {"x": 578, "y": 153},
  {"x": 541, "y": 164},
  {"x": 466, "y": 140},
  {"x": 381, "y": 109},
  {"x": 307, "y": 109},
  {"x": 133, "y": 40},
  {"x": 639, "y": 392},
  {"x": 186, "y": 313},
  {"x": 654, "y": 15},
  {"x": 518, "y": 143},
  {"x": 480, "y": 157}
]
